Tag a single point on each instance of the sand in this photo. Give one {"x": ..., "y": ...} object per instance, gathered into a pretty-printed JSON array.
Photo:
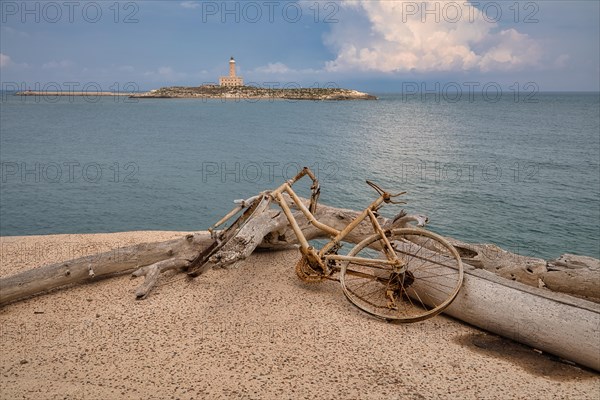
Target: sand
[{"x": 252, "y": 332}]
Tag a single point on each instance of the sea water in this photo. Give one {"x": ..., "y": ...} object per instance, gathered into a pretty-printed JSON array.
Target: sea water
[{"x": 522, "y": 173}]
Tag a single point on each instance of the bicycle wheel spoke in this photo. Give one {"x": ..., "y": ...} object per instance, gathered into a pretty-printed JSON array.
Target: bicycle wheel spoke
[
  {"x": 366, "y": 301},
  {"x": 428, "y": 284},
  {"x": 373, "y": 292},
  {"x": 418, "y": 251},
  {"x": 419, "y": 266},
  {"x": 422, "y": 302},
  {"x": 366, "y": 282},
  {"x": 428, "y": 260},
  {"x": 418, "y": 297},
  {"x": 436, "y": 275},
  {"x": 409, "y": 299}
]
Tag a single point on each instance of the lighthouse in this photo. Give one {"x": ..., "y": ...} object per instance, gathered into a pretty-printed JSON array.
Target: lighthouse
[
  {"x": 232, "y": 79},
  {"x": 231, "y": 67}
]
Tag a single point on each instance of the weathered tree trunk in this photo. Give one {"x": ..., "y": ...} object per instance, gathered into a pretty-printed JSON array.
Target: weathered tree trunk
[
  {"x": 575, "y": 275},
  {"x": 552, "y": 322},
  {"x": 94, "y": 267}
]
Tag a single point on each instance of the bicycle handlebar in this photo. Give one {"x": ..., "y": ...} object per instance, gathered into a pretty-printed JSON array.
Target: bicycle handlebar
[{"x": 387, "y": 197}]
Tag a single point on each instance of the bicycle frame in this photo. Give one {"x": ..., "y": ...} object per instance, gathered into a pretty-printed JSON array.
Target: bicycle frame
[{"x": 337, "y": 236}]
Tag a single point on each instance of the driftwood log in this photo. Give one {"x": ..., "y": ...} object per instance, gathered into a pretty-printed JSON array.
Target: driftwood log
[
  {"x": 553, "y": 322},
  {"x": 508, "y": 294},
  {"x": 571, "y": 274}
]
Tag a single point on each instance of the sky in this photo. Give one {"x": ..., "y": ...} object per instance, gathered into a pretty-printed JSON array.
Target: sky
[{"x": 368, "y": 45}]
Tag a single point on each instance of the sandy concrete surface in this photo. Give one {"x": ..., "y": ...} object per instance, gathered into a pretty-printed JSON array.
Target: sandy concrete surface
[{"x": 253, "y": 332}]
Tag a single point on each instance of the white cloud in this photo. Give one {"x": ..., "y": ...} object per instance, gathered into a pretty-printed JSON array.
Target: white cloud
[
  {"x": 166, "y": 71},
  {"x": 189, "y": 4},
  {"x": 562, "y": 61},
  {"x": 13, "y": 32},
  {"x": 274, "y": 68},
  {"x": 511, "y": 50},
  {"x": 279, "y": 68},
  {"x": 5, "y": 60},
  {"x": 126, "y": 68},
  {"x": 57, "y": 64},
  {"x": 165, "y": 74},
  {"x": 401, "y": 38}
]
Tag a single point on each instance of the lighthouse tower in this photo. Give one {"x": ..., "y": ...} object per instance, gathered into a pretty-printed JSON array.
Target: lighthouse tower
[
  {"x": 231, "y": 67},
  {"x": 232, "y": 79}
]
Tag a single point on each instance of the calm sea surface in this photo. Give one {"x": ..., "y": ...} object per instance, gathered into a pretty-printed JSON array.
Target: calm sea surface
[{"x": 525, "y": 176}]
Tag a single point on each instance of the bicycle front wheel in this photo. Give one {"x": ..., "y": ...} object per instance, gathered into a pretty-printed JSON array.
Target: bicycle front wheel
[{"x": 429, "y": 280}]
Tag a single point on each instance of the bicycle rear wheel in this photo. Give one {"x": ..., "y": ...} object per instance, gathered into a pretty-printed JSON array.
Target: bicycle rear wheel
[{"x": 431, "y": 279}]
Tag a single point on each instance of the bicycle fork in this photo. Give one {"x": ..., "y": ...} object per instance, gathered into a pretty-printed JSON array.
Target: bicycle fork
[{"x": 398, "y": 266}]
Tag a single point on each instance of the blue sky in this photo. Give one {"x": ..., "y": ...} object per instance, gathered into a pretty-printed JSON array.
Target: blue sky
[{"x": 369, "y": 45}]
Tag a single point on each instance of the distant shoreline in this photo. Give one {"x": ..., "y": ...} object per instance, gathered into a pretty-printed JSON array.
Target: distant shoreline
[{"x": 68, "y": 93}]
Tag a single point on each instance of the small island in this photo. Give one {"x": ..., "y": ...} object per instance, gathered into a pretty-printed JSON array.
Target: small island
[
  {"x": 253, "y": 92},
  {"x": 232, "y": 87}
]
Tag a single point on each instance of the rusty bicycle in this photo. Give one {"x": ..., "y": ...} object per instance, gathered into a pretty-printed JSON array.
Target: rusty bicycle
[{"x": 402, "y": 274}]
